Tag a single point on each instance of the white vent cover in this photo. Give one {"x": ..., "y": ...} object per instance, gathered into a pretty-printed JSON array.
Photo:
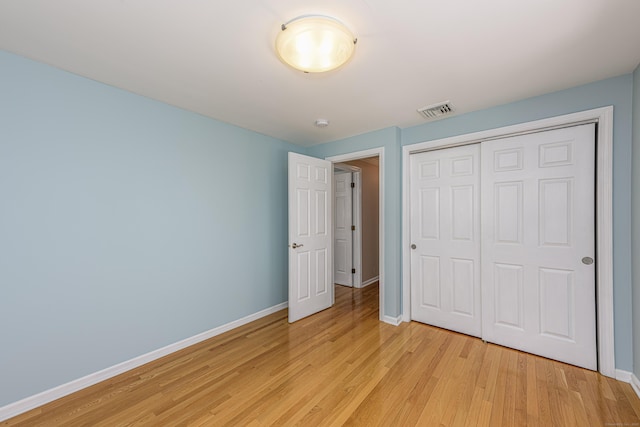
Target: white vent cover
[{"x": 435, "y": 111}]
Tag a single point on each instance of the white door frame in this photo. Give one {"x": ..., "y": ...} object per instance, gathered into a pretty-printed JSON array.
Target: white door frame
[
  {"x": 604, "y": 213},
  {"x": 363, "y": 155},
  {"x": 356, "y": 215}
]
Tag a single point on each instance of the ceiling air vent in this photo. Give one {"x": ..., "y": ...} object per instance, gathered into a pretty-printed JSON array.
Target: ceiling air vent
[{"x": 436, "y": 111}]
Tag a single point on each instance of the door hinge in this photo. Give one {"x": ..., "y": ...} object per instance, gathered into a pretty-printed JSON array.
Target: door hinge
[
  {"x": 353, "y": 228},
  {"x": 353, "y": 271},
  {"x": 353, "y": 185}
]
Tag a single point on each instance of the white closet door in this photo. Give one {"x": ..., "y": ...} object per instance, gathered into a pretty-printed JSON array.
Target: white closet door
[
  {"x": 445, "y": 229},
  {"x": 538, "y": 245},
  {"x": 342, "y": 233}
]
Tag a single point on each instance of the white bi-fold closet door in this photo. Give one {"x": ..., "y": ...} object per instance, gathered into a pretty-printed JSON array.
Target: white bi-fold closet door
[{"x": 530, "y": 283}]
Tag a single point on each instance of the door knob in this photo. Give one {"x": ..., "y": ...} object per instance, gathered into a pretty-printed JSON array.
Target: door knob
[
  {"x": 413, "y": 246},
  {"x": 587, "y": 260},
  {"x": 295, "y": 245}
]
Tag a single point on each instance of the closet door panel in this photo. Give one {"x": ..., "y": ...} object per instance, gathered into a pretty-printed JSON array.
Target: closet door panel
[
  {"x": 445, "y": 229},
  {"x": 538, "y": 224}
]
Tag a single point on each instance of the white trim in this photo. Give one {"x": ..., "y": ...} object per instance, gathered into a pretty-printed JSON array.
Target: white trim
[
  {"x": 604, "y": 213},
  {"x": 381, "y": 252},
  {"x": 624, "y": 376},
  {"x": 635, "y": 384},
  {"x": 370, "y": 281},
  {"x": 604, "y": 240},
  {"x": 395, "y": 321},
  {"x": 31, "y": 402}
]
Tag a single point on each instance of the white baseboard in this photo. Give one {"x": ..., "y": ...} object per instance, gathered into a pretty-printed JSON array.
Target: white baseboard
[
  {"x": 370, "y": 281},
  {"x": 635, "y": 384},
  {"x": 629, "y": 377},
  {"x": 624, "y": 376},
  {"x": 31, "y": 402},
  {"x": 395, "y": 321}
]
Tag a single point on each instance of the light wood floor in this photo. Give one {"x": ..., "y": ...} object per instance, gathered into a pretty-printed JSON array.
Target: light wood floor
[{"x": 344, "y": 367}]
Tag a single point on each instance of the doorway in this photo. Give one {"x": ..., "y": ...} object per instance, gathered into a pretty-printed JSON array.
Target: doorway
[
  {"x": 356, "y": 222},
  {"x": 347, "y": 230},
  {"x": 367, "y": 169}
]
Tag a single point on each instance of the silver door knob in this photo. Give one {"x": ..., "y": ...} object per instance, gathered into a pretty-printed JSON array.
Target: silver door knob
[
  {"x": 587, "y": 260},
  {"x": 413, "y": 246},
  {"x": 295, "y": 245}
]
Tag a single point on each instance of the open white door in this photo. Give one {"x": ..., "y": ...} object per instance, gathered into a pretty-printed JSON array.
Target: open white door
[
  {"x": 342, "y": 232},
  {"x": 310, "y": 222}
]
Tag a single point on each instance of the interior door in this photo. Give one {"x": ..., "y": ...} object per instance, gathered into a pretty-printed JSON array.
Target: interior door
[
  {"x": 445, "y": 238},
  {"x": 342, "y": 233},
  {"x": 310, "y": 222},
  {"x": 538, "y": 227}
]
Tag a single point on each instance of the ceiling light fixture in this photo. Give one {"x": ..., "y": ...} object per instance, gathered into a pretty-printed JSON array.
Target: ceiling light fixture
[{"x": 315, "y": 43}]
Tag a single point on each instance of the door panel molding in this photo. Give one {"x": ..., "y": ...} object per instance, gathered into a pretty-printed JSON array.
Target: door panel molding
[{"x": 604, "y": 212}]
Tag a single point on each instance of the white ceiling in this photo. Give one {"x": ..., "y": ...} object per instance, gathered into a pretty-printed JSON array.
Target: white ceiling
[{"x": 217, "y": 58}]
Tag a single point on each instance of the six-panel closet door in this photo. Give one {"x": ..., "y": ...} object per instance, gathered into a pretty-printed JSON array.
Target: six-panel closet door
[
  {"x": 538, "y": 244},
  {"x": 445, "y": 230},
  {"x": 503, "y": 242}
]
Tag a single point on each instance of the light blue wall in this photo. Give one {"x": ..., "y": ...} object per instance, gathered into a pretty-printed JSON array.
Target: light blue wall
[
  {"x": 389, "y": 139},
  {"x": 615, "y": 91},
  {"x": 125, "y": 225},
  {"x": 636, "y": 222}
]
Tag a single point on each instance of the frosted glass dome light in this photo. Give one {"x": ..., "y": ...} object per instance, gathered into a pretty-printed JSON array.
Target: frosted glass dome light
[{"x": 315, "y": 44}]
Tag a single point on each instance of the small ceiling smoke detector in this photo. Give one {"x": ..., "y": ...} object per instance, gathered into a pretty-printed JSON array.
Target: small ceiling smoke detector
[
  {"x": 322, "y": 123},
  {"x": 436, "y": 111}
]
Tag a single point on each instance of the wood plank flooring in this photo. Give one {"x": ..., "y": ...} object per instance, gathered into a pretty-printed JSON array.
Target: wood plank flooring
[{"x": 344, "y": 367}]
